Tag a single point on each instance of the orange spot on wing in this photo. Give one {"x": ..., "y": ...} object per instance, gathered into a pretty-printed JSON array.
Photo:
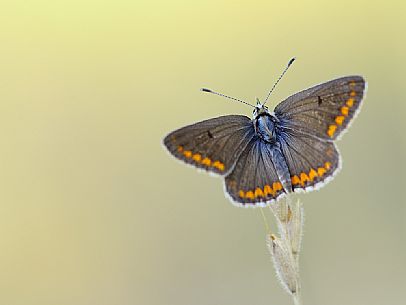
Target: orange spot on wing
[
  {"x": 206, "y": 161},
  {"x": 277, "y": 186},
  {"x": 268, "y": 190},
  {"x": 344, "y": 110},
  {"x": 331, "y": 130},
  {"x": 303, "y": 178},
  {"x": 353, "y": 93},
  {"x": 197, "y": 157},
  {"x": 350, "y": 102},
  {"x": 312, "y": 174},
  {"x": 219, "y": 165},
  {"x": 321, "y": 171},
  {"x": 241, "y": 194},
  {"x": 327, "y": 165},
  {"x": 295, "y": 180},
  {"x": 258, "y": 192},
  {"x": 340, "y": 119},
  {"x": 249, "y": 195}
]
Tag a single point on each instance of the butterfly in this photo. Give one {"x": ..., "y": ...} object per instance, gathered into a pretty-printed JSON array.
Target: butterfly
[{"x": 291, "y": 149}]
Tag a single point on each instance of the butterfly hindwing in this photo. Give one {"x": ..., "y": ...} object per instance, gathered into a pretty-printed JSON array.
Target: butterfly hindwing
[
  {"x": 214, "y": 144},
  {"x": 254, "y": 180},
  {"x": 311, "y": 161},
  {"x": 325, "y": 110}
]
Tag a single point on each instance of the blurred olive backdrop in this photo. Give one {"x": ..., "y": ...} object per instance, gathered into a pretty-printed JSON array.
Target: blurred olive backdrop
[{"x": 93, "y": 211}]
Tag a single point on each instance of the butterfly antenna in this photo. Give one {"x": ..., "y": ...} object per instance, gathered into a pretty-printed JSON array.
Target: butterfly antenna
[
  {"x": 229, "y": 97},
  {"x": 280, "y": 77}
]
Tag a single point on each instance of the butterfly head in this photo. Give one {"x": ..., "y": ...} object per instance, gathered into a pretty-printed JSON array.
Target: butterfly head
[{"x": 259, "y": 109}]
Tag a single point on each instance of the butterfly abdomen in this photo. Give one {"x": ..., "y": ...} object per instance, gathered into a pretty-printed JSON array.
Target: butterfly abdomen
[{"x": 281, "y": 168}]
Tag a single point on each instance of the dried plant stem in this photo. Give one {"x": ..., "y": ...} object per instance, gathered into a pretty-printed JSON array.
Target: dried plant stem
[
  {"x": 297, "y": 300},
  {"x": 285, "y": 248}
]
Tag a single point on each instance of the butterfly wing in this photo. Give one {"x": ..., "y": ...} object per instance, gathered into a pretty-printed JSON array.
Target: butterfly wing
[
  {"x": 214, "y": 144},
  {"x": 254, "y": 180},
  {"x": 309, "y": 121},
  {"x": 312, "y": 162},
  {"x": 324, "y": 111}
]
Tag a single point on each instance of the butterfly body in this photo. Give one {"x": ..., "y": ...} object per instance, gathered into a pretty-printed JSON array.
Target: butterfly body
[
  {"x": 265, "y": 127},
  {"x": 288, "y": 150}
]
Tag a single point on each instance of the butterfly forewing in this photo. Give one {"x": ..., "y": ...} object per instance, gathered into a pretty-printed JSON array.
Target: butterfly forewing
[
  {"x": 323, "y": 111},
  {"x": 213, "y": 144},
  {"x": 254, "y": 179}
]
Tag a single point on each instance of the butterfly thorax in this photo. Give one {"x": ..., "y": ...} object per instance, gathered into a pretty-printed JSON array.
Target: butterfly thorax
[{"x": 264, "y": 124}]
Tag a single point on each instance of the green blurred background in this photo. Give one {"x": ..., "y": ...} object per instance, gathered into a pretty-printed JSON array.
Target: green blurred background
[{"x": 93, "y": 211}]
